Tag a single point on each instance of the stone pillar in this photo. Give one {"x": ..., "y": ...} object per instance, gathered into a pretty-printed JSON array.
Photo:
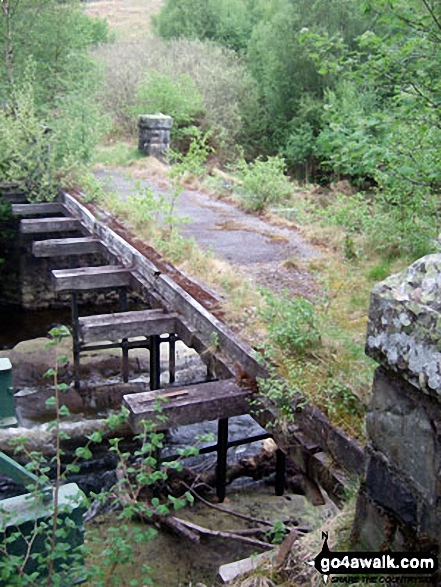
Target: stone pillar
[
  {"x": 399, "y": 503},
  {"x": 154, "y": 134}
]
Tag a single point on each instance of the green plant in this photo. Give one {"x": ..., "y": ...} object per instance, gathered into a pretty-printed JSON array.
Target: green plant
[
  {"x": 138, "y": 495},
  {"x": 277, "y": 532},
  {"x": 50, "y": 551},
  {"x": 227, "y": 21},
  {"x": 177, "y": 97},
  {"x": 263, "y": 183},
  {"x": 192, "y": 163},
  {"x": 293, "y": 324}
]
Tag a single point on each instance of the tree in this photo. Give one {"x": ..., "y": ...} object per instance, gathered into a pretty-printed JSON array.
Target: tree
[{"x": 47, "y": 84}]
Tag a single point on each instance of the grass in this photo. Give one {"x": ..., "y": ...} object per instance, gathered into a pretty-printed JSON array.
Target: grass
[
  {"x": 128, "y": 19},
  {"x": 116, "y": 154}
]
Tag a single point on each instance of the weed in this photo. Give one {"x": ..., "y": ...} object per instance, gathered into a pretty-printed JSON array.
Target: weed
[
  {"x": 380, "y": 271},
  {"x": 193, "y": 162}
]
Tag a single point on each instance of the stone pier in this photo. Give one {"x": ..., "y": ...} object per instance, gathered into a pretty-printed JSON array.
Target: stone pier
[
  {"x": 399, "y": 503},
  {"x": 154, "y": 134}
]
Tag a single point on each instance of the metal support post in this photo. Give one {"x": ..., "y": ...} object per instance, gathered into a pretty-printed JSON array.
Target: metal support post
[
  {"x": 124, "y": 342},
  {"x": 280, "y": 472},
  {"x": 221, "y": 467},
  {"x": 155, "y": 362},
  {"x": 75, "y": 339},
  {"x": 172, "y": 358}
]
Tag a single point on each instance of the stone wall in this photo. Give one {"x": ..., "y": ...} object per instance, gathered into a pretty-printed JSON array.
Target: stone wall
[{"x": 399, "y": 503}]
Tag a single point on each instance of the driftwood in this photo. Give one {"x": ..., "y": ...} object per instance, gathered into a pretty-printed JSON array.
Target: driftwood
[
  {"x": 169, "y": 522},
  {"x": 184, "y": 528},
  {"x": 225, "y": 534}
]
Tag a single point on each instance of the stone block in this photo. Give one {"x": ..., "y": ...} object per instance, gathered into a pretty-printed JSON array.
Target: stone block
[
  {"x": 390, "y": 492},
  {"x": 374, "y": 529},
  {"x": 404, "y": 327},
  {"x": 152, "y": 121},
  {"x": 401, "y": 426}
]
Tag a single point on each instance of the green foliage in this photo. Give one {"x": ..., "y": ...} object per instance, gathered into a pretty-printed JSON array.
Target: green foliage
[
  {"x": 176, "y": 97},
  {"x": 352, "y": 140},
  {"x": 278, "y": 532},
  {"x": 292, "y": 323},
  {"x": 226, "y": 21},
  {"x": 192, "y": 163},
  {"x": 49, "y": 121},
  {"x": 55, "y": 37},
  {"x": 263, "y": 183},
  {"x": 380, "y": 271},
  {"x": 136, "y": 495},
  {"x": 26, "y": 159},
  {"x": 38, "y": 154}
]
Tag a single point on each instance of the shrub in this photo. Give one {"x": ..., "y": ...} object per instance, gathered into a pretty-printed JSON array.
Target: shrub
[
  {"x": 177, "y": 97},
  {"x": 292, "y": 323},
  {"x": 263, "y": 182},
  {"x": 39, "y": 153},
  {"x": 229, "y": 22},
  {"x": 352, "y": 141},
  {"x": 26, "y": 158}
]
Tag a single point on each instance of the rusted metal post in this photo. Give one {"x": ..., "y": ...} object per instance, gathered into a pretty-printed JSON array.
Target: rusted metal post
[
  {"x": 280, "y": 472},
  {"x": 155, "y": 362},
  {"x": 221, "y": 467}
]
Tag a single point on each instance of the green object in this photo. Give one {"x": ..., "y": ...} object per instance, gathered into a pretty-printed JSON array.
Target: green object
[
  {"x": 22, "y": 476},
  {"x": 26, "y": 519},
  {"x": 7, "y": 406}
]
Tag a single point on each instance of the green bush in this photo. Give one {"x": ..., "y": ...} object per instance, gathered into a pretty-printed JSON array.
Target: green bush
[
  {"x": 26, "y": 158},
  {"x": 40, "y": 154},
  {"x": 263, "y": 182},
  {"x": 293, "y": 324},
  {"x": 177, "y": 97},
  {"x": 229, "y": 22},
  {"x": 353, "y": 139}
]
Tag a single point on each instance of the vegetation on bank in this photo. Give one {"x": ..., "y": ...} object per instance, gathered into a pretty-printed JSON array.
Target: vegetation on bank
[{"x": 49, "y": 118}]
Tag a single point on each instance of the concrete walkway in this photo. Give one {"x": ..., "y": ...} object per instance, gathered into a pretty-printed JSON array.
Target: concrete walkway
[{"x": 241, "y": 239}]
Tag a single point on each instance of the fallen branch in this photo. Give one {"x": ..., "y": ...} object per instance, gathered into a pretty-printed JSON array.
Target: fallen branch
[
  {"x": 170, "y": 522},
  {"x": 227, "y": 511},
  {"x": 285, "y": 548},
  {"x": 226, "y": 534}
]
